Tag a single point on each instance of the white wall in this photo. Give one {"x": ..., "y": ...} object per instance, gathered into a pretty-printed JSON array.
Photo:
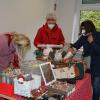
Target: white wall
[
  {"x": 65, "y": 11},
  {"x": 24, "y": 16}
]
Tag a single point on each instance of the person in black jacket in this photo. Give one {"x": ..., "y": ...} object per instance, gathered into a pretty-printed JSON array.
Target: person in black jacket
[{"x": 90, "y": 40}]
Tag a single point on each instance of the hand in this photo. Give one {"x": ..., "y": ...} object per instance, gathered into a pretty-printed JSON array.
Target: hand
[
  {"x": 90, "y": 38},
  {"x": 65, "y": 60},
  {"x": 72, "y": 50},
  {"x": 47, "y": 51}
]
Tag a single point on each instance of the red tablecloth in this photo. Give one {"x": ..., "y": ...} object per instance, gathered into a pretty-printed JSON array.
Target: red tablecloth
[{"x": 83, "y": 89}]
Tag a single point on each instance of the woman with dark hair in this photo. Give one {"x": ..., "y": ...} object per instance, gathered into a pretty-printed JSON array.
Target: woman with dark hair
[
  {"x": 88, "y": 26},
  {"x": 90, "y": 40}
]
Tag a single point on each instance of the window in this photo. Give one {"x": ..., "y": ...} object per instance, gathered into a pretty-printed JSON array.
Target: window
[
  {"x": 86, "y": 9},
  {"x": 92, "y": 15},
  {"x": 90, "y": 1}
]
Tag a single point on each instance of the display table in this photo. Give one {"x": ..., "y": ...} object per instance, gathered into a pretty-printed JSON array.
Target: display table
[{"x": 83, "y": 91}]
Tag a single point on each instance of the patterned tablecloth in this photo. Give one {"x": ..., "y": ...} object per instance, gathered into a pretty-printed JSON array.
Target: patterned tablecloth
[{"x": 83, "y": 90}]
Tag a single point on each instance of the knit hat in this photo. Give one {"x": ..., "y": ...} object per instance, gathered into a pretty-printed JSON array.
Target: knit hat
[{"x": 51, "y": 16}]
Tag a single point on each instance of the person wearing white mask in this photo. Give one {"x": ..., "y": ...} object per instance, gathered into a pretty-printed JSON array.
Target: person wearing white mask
[
  {"x": 49, "y": 34},
  {"x": 90, "y": 40}
]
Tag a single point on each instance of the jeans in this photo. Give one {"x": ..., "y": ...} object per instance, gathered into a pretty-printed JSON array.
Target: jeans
[{"x": 96, "y": 88}]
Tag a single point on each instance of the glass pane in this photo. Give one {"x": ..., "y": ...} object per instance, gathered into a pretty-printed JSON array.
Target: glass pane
[
  {"x": 90, "y": 1},
  {"x": 91, "y": 15}
]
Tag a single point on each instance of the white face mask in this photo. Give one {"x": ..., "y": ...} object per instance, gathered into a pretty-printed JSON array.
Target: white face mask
[
  {"x": 51, "y": 26},
  {"x": 83, "y": 32}
]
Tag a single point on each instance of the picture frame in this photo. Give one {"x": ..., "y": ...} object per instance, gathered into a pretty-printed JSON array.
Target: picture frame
[{"x": 47, "y": 73}]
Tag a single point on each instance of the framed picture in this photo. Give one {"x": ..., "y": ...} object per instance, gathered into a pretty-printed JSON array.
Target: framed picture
[{"x": 47, "y": 73}]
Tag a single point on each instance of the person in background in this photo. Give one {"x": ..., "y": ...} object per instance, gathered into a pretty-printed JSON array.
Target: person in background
[
  {"x": 13, "y": 47},
  {"x": 50, "y": 33},
  {"x": 90, "y": 40}
]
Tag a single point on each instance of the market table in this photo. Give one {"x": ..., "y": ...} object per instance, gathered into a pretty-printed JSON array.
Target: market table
[{"x": 83, "y": 91}]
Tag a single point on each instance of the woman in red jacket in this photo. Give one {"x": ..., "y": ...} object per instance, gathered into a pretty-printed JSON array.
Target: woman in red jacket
[{"x": 50, "y": 33}]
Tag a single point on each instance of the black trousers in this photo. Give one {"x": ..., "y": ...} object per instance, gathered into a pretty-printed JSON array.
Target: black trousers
[{"x": 96, "y": 88}]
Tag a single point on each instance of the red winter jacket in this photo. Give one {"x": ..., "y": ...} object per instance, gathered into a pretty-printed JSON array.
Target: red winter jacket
[{"x": 47, "y": 36}]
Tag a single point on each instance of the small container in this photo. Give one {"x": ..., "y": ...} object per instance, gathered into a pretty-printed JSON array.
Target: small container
[{"x": 3, "y": 77}]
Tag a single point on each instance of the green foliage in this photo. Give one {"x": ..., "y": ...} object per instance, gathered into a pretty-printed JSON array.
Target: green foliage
[{"x": 91, "y": 15}]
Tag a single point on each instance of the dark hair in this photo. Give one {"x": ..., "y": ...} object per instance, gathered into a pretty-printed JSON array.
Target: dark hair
[{"x": 88, "y": 26}]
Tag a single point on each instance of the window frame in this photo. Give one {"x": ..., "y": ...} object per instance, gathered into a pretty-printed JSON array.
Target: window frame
[{"x": 76, "y": 23}]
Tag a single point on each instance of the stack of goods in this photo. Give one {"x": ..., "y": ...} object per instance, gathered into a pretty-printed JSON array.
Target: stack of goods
[
  {"x": 63, "y": 88},
  {"x": 38, "y": 93},
  {"x": 7, "y": 80},
  {"x": 52, "y": 57},
  {"x": 56, "y": 91},
  {"x": 72, "y": 72},
  {"x": 9, "y": 74}
]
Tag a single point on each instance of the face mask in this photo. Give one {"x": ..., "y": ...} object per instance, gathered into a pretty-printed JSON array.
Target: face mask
[
  {"x": 83, "y": 32},
  {"x": 51, "y": 26}
]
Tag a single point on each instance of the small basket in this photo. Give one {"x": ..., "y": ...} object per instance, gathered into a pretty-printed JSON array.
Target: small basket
[{"x": 24, "y": 88}]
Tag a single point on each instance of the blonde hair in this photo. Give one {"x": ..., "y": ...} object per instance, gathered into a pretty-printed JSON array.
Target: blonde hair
[{"x": 23, "y": 41}]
